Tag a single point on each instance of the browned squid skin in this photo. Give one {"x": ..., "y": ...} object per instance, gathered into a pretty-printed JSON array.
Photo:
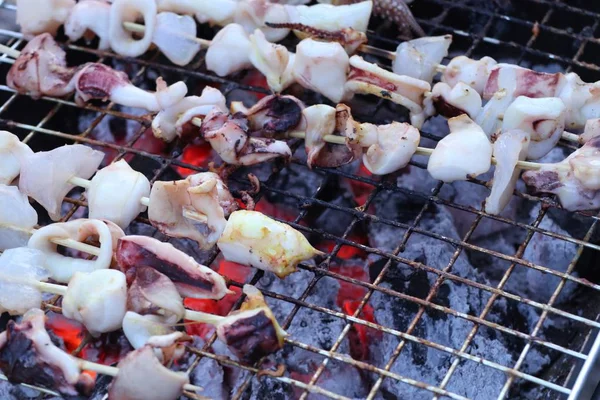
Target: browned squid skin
[
  {"x": 349, "y": 38},
  {"x": 274, "y": 115},
  {"x": 136, "y": 251},
  {"x": 21, "y": 363},
  {"x": 97, "y": 81},
  {"x": 251, "y": 338}
]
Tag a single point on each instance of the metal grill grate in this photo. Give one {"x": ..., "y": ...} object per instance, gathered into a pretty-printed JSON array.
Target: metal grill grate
[{"x": 529, "y": 33}]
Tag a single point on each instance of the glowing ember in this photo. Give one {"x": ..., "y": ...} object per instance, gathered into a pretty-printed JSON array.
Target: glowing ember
[
  {"x": 346, "y": 252},
  {"x": 361, "y": 190},
  {"x": 233, "y": 271},
  {"x": 71, "y": 332},
  {"x": 256, "y": 79},
  {"x": 198, "y": 155}
]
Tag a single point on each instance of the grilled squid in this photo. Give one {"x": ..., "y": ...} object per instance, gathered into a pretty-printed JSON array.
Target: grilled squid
[
  {"x": 228, "y": 136},
  {"x": 97, "y": 299},
  {"x": 190, "y": 278},
  {"x": 204, "y": 194},
  {"x": 332, "y": 18},
  {"x": 15, "y": 212},
  {"x": 592, "y": 130},
  {"x": 273, "y": 116},
  {"x": 574, "y": 180},
  {"x": 174, "y": 35},
  {"x": 175, "y": 121},
  {"x": 389, "y": 147},
  {"x": 12, "y": 154},
  {"x": 321, "y": 120},
  {"x": 98, "y": 81},
  {"x": 89, "y": 16},
  {"x": 20, "y": 270},
  {"x": 252, "y": 238},
  {"x": 41, "y": 69},
  {"x": 45, "y": 175},
  {"x": 368, "y": 78},
  {"x": 453, "y": 101},
  {"x": 509, "y": 148},
  {"x": 28, "y": 355},
  {"x": 229, "y": 51},
  {"x": 581, "y": 100},
  {"x": 36, "y": 17},
  {"x": 419, "y": 58},
  {"x": 153, "y": 293},
  {"x": 321, "y": 67},
  {"x": 253, "y": 14},
  {"x": 270, "y": 59},
  {"x": 251, "y": 332},
  {"x": 141, "y": 376},
  {"x": 465, "y": 152},
  {"x": 474, "y": 73},
  {"x": 121, "y": 40},
  {"x": 141, "y": 330},
  {"x": 219, "y": 12},
  {"x": 63, "y": 267},
  {"x": 115, "y": 192},
  {"x": 542, "y": 118}
]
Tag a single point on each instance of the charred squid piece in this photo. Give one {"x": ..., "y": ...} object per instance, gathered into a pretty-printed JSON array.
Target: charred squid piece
[
  {"x": 41, "y": 69},
  {"x": 100, "y": 82},
  {"x": 368, "y": 78},
  {"x": 509, "y": 148},
  {"x": 419, "y": 58},
  {"x": 228, "y": 136},
  {"x": 97, "y": 300},
  {"x": 349, "y": 38},
  {"x": 61, "y": 164},
  {"x": 465, "y": 152},
  {"x": 252, "y": 238},
  {"x": 62, "y": 267},
  {"x": 321, "y": 120},
  {"x": 114, "y": 193},
  {"x": 272, "y": 116},
  {"x": 37, "y": 17},
  {"x": 153, "y": 293},
  {"x": 251, "y": 332},
  {"x": 20, "y": 270},
  {"x": 321, "y": 67},
  {"x": 15, "y": 211},
  {"x": 176, "y": 121},
  {"x": 190, "y": 278},
  {"x": 474, "y": 73},
  {"x": 152, "y": 330},
  {"x": 453, "y": 101},
  {"x": 89, "y": 16},
  {"x": 12, "y": 154},
  {"x": 204, "y": 194},
  {"x": 575, "y": 180},
  {"x": 542, "y": 118},
  {"x": 141, "y": 376},
  {"x": 28, "y": 355},
  {"x": 271, "y": 60}
]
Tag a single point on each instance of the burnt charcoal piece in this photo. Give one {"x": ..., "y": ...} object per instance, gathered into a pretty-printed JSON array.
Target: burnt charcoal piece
[
  {"x": 27, "y": 355},
  {"x": 191, "y": 279}
]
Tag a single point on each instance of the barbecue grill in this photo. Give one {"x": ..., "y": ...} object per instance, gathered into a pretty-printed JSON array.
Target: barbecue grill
[{"x": 448, "y": 301}]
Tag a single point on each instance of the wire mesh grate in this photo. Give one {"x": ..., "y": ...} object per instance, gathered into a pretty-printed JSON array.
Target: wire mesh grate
[{"x": 519, "y": 32}]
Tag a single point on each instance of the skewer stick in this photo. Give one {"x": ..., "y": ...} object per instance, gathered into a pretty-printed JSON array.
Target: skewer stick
[{"x": 423, "y": 151}]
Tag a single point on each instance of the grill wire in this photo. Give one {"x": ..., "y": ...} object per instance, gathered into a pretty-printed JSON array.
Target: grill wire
[{"x": 476, "y": 33}]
